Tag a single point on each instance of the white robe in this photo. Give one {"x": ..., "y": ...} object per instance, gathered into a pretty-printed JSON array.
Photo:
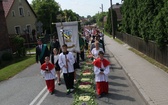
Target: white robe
[
  {"x": 62, "y": 62},
  {"x": 48, "y": 75},
  {"x": 101, "y": 77}
]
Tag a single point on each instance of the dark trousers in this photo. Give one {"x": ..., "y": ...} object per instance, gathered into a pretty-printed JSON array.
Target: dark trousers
[
  {"x": 82, "y": 55},
  {"x": 77, "y": 61},
  {"x": 42, "y": 61},
  {"x": 69, "y": 80}
]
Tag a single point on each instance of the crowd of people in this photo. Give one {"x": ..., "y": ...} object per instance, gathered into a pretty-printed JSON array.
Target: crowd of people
[{"x": 57, "y": 59}]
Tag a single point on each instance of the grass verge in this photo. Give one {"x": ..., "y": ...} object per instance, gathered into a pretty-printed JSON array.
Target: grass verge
[
  {"x": 119, "y": 41},
  {"x": 152, "y": 61},
  {"x": 14, "y": 68},
  {"x": 106, "y": 33}
]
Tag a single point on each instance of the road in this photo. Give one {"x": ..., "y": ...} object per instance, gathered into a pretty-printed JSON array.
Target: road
[{"x": 28, "y": 88}]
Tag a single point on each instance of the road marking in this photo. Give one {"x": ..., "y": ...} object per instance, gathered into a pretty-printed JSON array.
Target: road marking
[
  {"x": 35, "y": 99},
  {"x": 42, "y": 99},
  {"x": 40, "y": 94}
]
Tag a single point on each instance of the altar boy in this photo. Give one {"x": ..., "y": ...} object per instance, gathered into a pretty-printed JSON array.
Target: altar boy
[
  {"x": 101, "y": 70},
  {"x": 66, "y": 62},
  {"x": 48, "y": 72}
]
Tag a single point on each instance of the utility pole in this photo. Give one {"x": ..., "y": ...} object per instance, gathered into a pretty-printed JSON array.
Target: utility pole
[
  {"x": 112, "y": 19},
  {"x": 103, "y": 17}
]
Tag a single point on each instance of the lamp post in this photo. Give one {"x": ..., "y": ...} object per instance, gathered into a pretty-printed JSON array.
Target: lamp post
[{"x": 112, "y": 19}]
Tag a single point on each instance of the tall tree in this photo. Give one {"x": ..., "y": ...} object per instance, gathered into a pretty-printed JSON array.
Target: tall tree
[
  {"x": 70, "y": 15},
  {"x": 46, "y": 11},
  {"x": 108, "y": 26}
]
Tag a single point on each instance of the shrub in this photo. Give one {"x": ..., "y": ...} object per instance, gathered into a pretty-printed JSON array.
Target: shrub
[
  {"x": 18, "y": 42},
  {"x": 7, "y": 56}
]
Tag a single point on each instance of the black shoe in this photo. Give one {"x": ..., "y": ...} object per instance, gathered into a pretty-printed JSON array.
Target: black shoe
[
  {"x": 52, "y": 92},
  {"x": 99, "y": 96}
]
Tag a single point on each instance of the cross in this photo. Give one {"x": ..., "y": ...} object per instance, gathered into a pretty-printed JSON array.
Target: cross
[{"x": 61, "y": 17}]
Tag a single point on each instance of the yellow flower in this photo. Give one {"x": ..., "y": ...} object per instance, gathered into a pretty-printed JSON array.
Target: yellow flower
[
  {"x": 85, "y": 79},
  {"x": 86, "y": 74},
  {"x": 84, "y": 98},
  {"x": 84, "y": 86}
]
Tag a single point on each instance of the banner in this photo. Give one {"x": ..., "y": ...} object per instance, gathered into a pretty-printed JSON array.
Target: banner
[{"x": 70, "y": 34}]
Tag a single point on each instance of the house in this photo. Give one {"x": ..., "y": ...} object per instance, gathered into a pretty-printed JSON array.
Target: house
[
  {"x": 4, "y": 39},
  {"x": 20, "y": 17},
  {"x": 117, "y": 8}
]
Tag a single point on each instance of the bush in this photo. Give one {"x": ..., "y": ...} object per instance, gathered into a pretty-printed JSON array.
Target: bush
[
  {"x": 18, "y": 42},
  {"x": 7, "y": 56}
]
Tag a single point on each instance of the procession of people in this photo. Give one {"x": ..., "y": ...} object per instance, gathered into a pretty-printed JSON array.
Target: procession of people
[{"x": 59, "y": 59}]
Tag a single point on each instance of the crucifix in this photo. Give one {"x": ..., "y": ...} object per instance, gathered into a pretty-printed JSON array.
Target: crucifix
[{"x": 62, "y": 27}]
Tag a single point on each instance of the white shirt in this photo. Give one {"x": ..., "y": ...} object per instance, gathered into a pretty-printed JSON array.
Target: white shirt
[
  {"x": 96, "y": 52},
  {"x": 62, "y": 62},
  {"x": 56, "y": 57},
  {"x": 40, "y": 46},
  {"x": 48, "y": 75}
]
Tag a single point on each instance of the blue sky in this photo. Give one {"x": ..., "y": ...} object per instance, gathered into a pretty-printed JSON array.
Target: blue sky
[{"x": 85, "y": 7}]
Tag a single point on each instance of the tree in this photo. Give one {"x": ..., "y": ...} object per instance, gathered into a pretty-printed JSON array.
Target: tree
[
  {"x": 146, "y": 19},
  {"x": 46, "y": 11},
  {"x": 70, "y": 15},
  {"x": 108, "y": 25},
  {"x": 160, "y": 29}
]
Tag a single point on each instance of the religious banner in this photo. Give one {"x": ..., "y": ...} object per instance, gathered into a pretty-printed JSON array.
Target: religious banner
[{"x": 69, "y": 35}]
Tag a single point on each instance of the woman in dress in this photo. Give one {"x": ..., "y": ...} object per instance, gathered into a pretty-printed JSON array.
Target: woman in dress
[{"x": 54, "y": 60}]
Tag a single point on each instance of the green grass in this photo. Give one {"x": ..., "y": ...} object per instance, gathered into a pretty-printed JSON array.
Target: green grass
[
  {"x": 15, "y": 68},
  {"x": 152, "y": 61},
  {"x": 116, "y": 39},
  {"x": 119, "y": 41},
  {"x": 106, "y": 33},
  {"x": 32, "y": 49}
]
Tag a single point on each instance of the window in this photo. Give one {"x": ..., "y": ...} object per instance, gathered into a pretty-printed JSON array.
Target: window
[
  {"x": 28, "y": 29},
  {"x": 17, "y": 30},
  {"x": 21, "y": 12},
  {"x": 13, "y": 13}
]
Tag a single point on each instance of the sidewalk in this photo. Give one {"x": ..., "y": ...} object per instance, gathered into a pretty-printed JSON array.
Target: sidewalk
[{"x": 151, "y": 81}]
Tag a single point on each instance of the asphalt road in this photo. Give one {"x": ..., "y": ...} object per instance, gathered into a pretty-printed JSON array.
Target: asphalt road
[
  {"x": 121, "y": 89},
  {"x": 28, "y": 88}
]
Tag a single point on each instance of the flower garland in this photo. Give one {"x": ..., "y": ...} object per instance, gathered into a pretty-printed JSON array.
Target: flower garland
[{"x": 85, "y": 90}]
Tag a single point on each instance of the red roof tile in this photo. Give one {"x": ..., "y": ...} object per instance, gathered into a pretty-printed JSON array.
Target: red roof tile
[{"x": 7, "y": 4}]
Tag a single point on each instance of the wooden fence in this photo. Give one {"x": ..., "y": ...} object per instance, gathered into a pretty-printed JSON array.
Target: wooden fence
[{"x": 149, "y": 48}]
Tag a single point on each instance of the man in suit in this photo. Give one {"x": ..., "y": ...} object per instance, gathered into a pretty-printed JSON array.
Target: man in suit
[
  {"x": 54, "y": 44},
  {"x": 41, "y": 52}
]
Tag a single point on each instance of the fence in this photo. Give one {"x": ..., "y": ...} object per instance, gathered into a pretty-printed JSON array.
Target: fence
[{"x": 149, "y": 48}]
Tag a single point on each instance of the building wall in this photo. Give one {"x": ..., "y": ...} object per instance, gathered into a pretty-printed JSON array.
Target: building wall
[
  {"x": 21, "y": 21},
  {"x": 4, "y": 40}
]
